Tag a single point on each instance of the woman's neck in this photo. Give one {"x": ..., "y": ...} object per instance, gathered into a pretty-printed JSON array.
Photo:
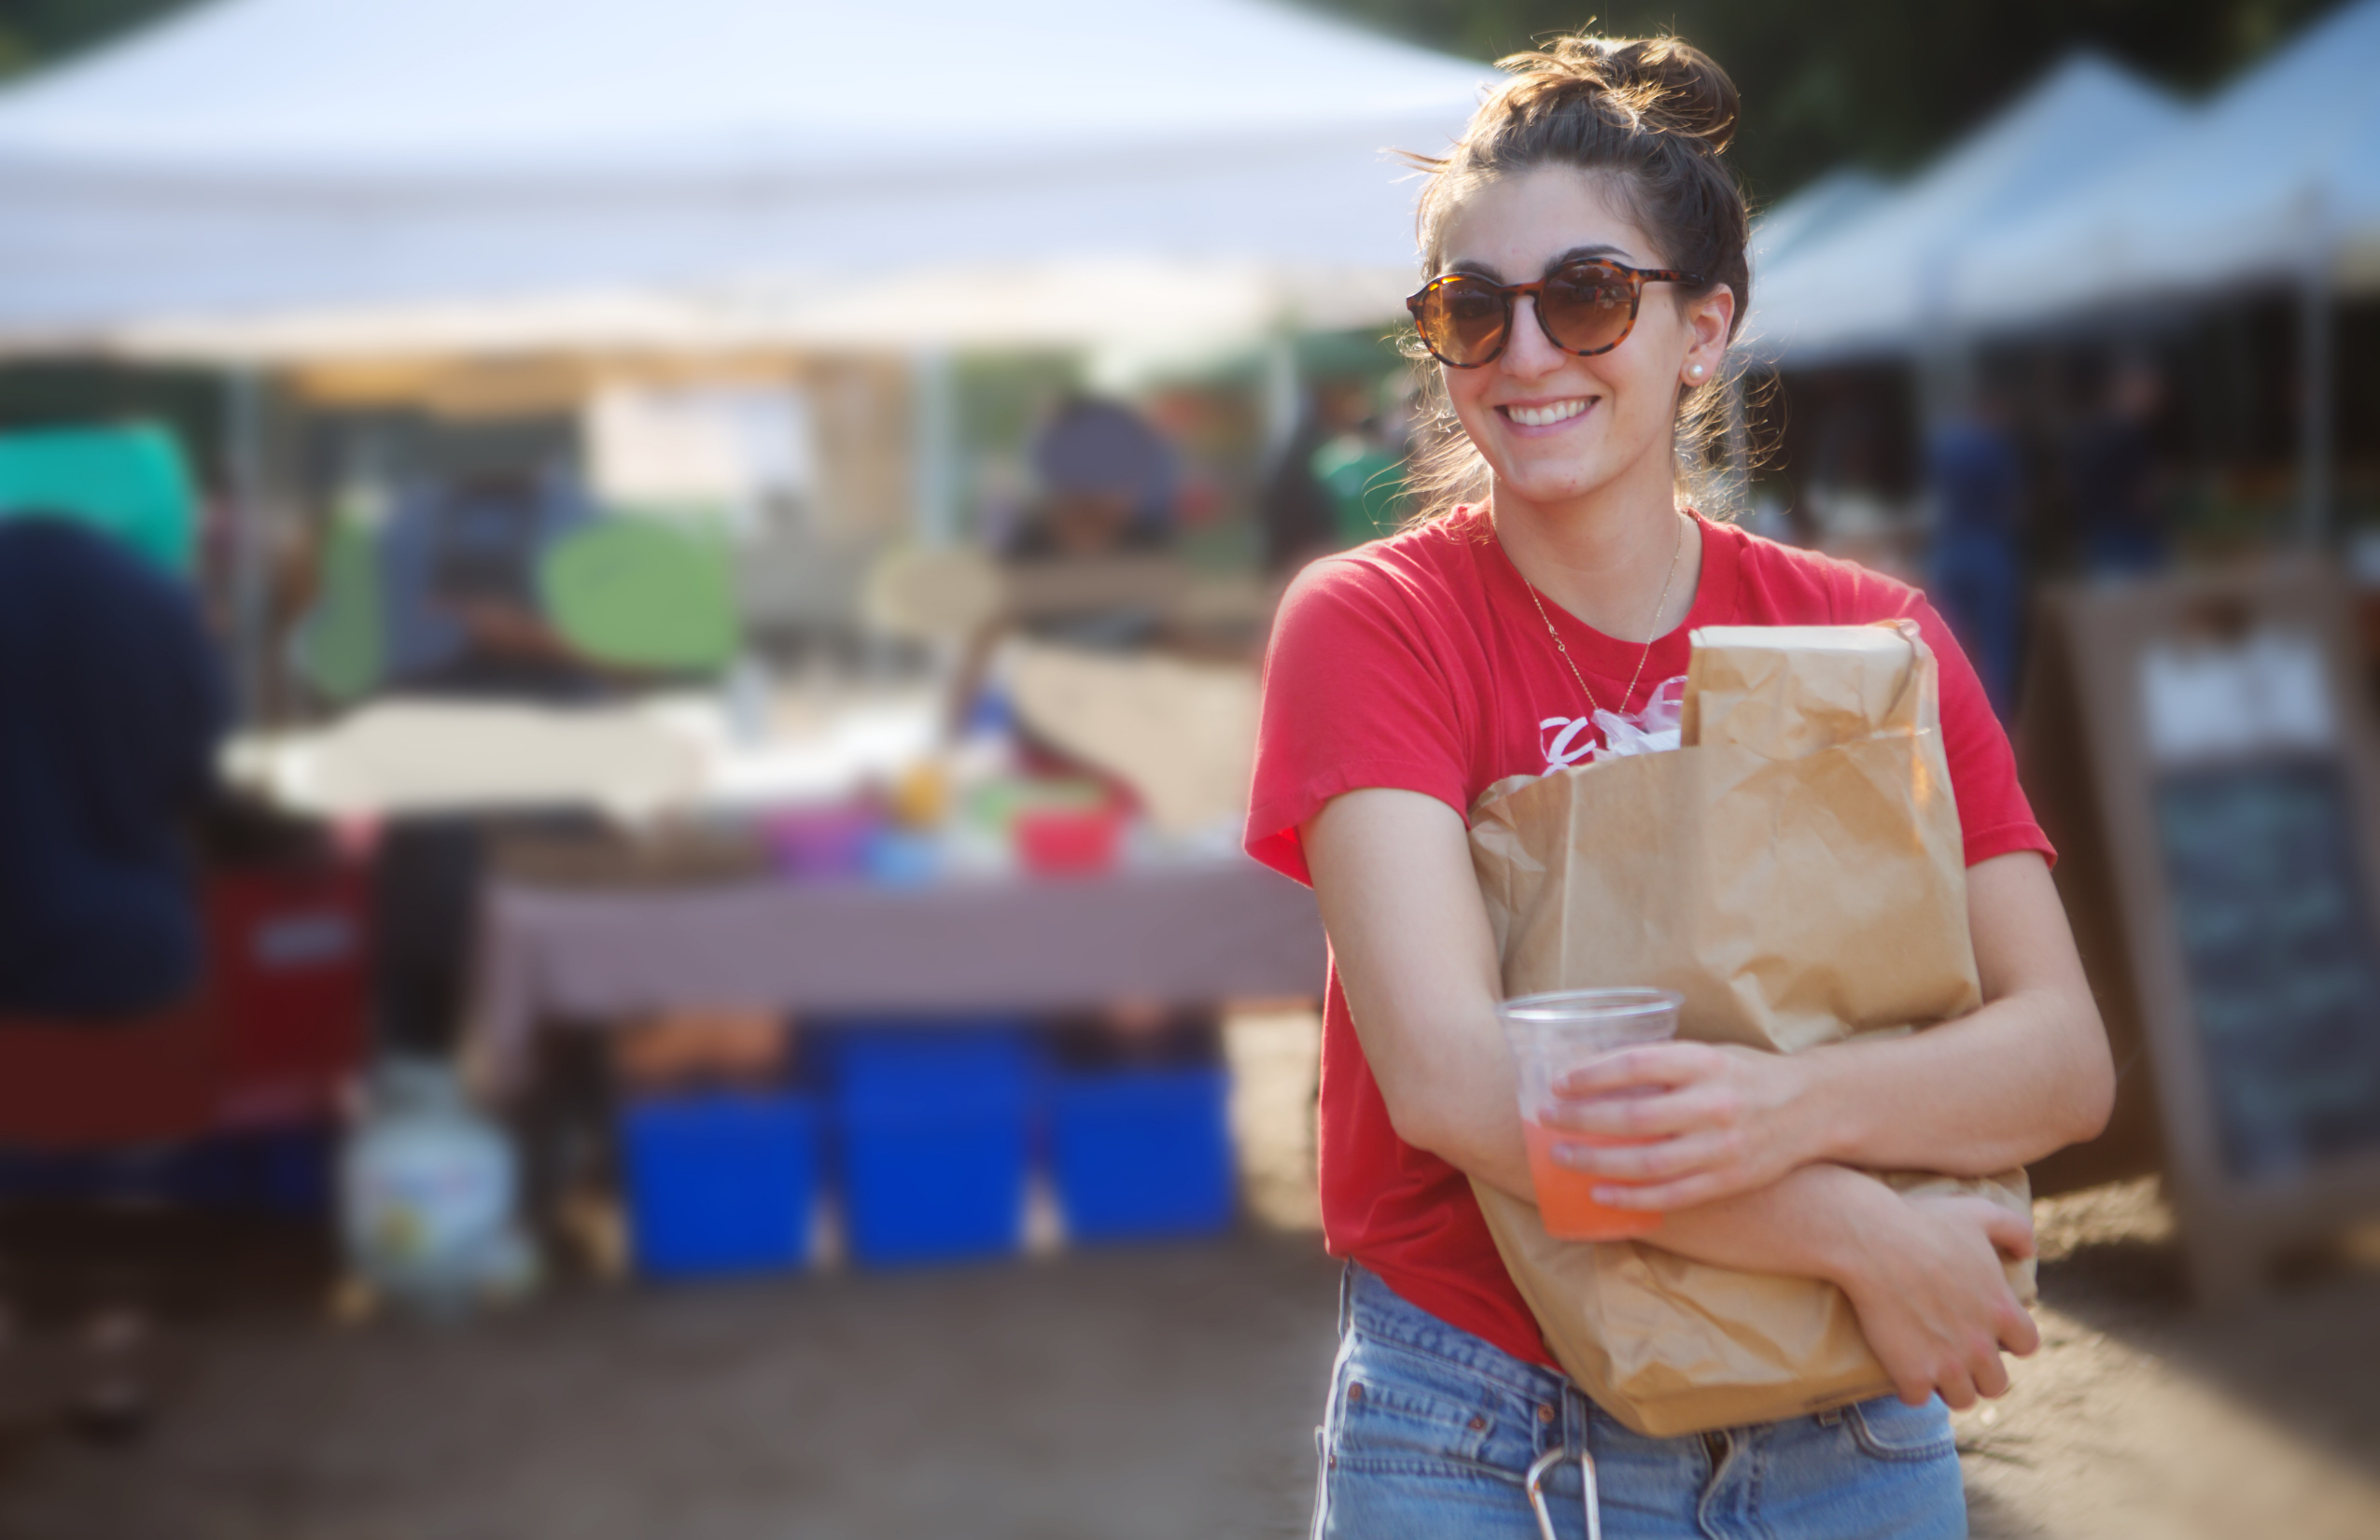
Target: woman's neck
[{"x": 1607, "y": 556}]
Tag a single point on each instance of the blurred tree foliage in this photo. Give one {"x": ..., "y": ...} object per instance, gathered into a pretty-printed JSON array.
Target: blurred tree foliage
[
  {"x": 39, "y": 32},
  {"x": 1881, "y": 83}
]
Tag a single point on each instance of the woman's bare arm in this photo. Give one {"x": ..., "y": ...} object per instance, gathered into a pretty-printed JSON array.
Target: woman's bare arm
[{"x": 1409, "y": 935}]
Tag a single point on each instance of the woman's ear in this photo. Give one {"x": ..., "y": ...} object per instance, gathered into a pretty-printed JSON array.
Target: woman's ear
[{"x": 1709, "y": 318}]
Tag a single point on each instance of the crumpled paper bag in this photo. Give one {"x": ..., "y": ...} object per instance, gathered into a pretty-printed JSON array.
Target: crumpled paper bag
[{"x": 1795, "y": 870}]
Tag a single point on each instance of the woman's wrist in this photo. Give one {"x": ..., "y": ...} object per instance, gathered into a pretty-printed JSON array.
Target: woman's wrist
[
  {"x": 1809, "y": 1223},
  {"x": 1829, "y": 1116},
  {"x": 1852, "y": 1214}
]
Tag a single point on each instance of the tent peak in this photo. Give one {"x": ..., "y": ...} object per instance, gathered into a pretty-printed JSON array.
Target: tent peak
[{"x": 351, "y": 85}]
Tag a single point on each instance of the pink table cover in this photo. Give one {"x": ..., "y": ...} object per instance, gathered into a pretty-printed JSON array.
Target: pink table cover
[{"x": 1178, "y": 935}]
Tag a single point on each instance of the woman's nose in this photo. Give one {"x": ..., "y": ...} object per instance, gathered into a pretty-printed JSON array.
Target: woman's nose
[{"x": 1529, "y": 351}]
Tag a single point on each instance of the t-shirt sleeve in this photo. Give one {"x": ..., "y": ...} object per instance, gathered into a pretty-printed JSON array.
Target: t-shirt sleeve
[
  {"x": 1353, "y": 697},
  {"x": 1992, "y": 812}
]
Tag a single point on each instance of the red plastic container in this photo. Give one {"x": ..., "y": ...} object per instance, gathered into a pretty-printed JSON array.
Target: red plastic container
[
  {"x": 275, "y": 1028},
  {"x": 287, "y": 955},
  {"x": 1068, "y": 841}
]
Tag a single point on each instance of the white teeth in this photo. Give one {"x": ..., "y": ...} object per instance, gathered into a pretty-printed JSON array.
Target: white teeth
[{"x": 1541, "y": 416}]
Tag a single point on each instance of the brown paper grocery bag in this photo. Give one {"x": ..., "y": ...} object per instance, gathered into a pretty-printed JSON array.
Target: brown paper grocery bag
[{"x": 1796, "y": 871}]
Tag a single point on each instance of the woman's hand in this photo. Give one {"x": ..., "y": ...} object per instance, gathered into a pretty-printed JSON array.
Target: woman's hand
[
  {"x": 1701, "y": 1123},
  {"x": 1934, "y": 1302}
]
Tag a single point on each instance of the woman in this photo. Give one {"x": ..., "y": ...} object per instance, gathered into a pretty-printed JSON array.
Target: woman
[{"x": 1584, "y": 247}]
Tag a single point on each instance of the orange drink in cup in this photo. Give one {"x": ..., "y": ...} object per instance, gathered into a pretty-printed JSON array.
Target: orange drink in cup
[{"x": 1552, "y": 1035}]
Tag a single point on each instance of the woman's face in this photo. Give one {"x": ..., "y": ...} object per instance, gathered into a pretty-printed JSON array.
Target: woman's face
[{"x": 1551, "y": 425}]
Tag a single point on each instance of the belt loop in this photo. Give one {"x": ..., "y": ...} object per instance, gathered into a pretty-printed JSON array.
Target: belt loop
[{"x": 1346, "y": 1295}]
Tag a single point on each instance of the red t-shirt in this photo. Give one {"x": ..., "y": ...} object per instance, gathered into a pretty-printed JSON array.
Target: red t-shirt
[{"x": 1418, "y": 663}]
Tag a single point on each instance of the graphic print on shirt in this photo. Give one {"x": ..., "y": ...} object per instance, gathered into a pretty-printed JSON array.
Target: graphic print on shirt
[
  {"x": 1566, "y": 740},
  {"x": 1574, "y": 740}
]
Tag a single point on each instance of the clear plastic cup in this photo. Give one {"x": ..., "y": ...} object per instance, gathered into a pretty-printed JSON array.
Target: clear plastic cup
[{"x": 1552, "y": 1035}]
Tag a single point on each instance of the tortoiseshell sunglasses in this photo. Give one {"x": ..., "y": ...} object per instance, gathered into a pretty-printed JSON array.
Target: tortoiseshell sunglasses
[{"x": 1585, "y": 308}]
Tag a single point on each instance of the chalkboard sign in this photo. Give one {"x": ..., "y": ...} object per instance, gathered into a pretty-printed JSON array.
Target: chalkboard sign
[
  {"x": 2275, "y": 935},
  {"x": 2201, "y": 753}
]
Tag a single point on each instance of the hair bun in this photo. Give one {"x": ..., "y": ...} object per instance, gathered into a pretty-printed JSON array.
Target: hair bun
[
  {"x": 1690, "y": 95},
  {"x": 1664, "y": 83}
]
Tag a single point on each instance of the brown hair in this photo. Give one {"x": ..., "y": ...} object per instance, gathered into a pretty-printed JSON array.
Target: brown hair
[{"x": 1657, "y": 114}]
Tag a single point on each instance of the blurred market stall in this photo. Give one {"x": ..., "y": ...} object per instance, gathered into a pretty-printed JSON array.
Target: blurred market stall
[
  {"x": 507, "y": 212},
  {"x": 598, "y": 387},
  {"x": 2099, "y": 207},
  {"x": 2276, "y": 183}
]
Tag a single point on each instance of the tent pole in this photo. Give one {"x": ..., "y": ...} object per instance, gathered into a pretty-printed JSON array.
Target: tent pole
[
  {"x": 244, "y": 478},
  {"x": 1283, "y": 400},
  {"x": 2316, "y": 304},
  {"x": 934, "y": 458},
  {"x": 1738, "y": 491}
]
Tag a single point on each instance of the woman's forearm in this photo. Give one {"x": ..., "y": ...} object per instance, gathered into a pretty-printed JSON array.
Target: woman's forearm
[
  {"x": 1924, "y": 1276},
  {"x": 1813, "y": 1223},
  {"x": 1389, "y": 867},
  {"x": 2027, "y": 1074},
  {"x": 2002, "y": 1087}
]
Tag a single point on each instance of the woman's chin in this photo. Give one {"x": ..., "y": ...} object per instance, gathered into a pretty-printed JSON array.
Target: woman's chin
[{"x": 1550, "y": 483}]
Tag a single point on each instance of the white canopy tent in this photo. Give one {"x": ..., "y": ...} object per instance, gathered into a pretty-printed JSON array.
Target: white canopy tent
[
  {"x": 1881, "y": 283},
  {"x": 261, "y": 182},
  {"x": 2275, "y": 182},
  {"x": 2278, "y": 176},
  {"x": 1813, "y": 214},
  {"x": 320, "y": 174}
]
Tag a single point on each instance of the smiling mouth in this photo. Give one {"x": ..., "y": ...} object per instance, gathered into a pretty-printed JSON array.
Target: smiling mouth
[{"x": 1547, "y": 415}]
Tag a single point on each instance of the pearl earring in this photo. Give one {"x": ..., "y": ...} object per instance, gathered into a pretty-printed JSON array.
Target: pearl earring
[{"x": 1695, "y": 372}]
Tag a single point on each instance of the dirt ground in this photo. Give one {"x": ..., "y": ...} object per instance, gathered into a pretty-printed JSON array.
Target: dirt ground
[{"x": 1165, "y": 1392}]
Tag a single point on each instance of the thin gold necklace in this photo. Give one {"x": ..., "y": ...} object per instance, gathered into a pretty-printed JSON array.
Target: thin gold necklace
[{"x": 1659, "y": 605}]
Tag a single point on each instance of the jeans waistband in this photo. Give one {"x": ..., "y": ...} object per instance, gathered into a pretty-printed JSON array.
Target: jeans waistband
[{"x": 1367, "y": 1304}]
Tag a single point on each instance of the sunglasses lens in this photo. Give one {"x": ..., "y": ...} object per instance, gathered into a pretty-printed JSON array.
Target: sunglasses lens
[
  {"x": 1463, "y": 320},
  {"x": 1587, "y": 307}
]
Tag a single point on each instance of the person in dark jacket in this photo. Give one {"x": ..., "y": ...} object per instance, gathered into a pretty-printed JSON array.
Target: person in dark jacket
[
  {"x": 2115, "y": 479},
  {"x": 1977, "y": 480},
  {"x": 111, "y": 706}
]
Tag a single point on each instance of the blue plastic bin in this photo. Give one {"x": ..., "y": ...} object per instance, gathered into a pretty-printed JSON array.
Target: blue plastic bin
[
  {"x": 933, "y": 1128},
  {"x": 720, "y": 1182},
  {"x": 1142, "y": 1154}
]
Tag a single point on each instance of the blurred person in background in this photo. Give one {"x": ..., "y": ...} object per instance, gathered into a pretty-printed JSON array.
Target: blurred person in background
[
  {"x": 1363, "y": 471},
  {"x": 1976, "y": 481},
  {"x": 1584, "y": 247},
  {"x": 112, "y": 705},
  {"x": 1313, "y": 500},
  {"x": 460, "y": 575},
  {"x": 464, "y": 619},
  {"x": 1852, "y": 515},
  {"x": 1109, "y": 482},
  {"x": 1107, "y": 485},
  {"x": 2114, "y": 477}
]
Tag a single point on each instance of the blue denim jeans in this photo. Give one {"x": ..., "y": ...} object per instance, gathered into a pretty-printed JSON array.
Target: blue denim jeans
[{"x": 1430, "y": 1432}]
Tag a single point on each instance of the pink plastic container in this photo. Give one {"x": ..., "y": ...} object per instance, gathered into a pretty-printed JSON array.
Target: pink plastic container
[
  {"x": 1068, "y": 841},
  {"x": 823, "y": 842}
]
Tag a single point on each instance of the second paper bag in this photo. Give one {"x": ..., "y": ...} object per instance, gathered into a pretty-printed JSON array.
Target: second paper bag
[{"x": 1796, "y": 871}]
